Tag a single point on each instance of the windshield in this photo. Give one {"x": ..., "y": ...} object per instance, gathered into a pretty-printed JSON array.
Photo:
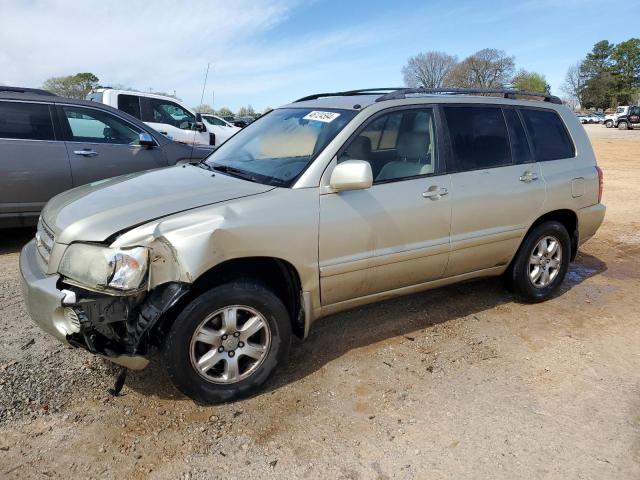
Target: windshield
[{"x": 276, "y": 148}]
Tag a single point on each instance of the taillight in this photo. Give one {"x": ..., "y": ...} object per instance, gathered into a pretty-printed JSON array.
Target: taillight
[{"x": 600, "y": 183}]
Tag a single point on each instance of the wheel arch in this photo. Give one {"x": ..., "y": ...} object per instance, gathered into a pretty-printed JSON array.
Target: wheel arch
[
  {"x": 566, "y": 217},
  {"x": 277, "y": 274}
]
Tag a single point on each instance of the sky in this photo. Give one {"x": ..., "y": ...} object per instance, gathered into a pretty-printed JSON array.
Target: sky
[{"x": 268, "y": 53}]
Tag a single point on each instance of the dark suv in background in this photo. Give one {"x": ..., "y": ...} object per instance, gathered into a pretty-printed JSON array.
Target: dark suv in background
[{"x": 49, "y": 144}]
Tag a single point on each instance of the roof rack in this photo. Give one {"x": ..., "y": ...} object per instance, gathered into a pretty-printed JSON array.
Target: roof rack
[
  {"x": 35, "y": 91},
  {"x": 507, "y": 93},
  {"x": 400, "y": 93},
  {"x": 349, "y": 93}
]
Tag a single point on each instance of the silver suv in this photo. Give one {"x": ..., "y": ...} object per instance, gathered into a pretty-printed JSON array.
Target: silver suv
[
  {"x": 333, "y": 201},
  {"x": 49, "y": 144}
]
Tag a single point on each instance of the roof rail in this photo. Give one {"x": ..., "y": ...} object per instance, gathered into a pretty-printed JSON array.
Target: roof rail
[
  {"x": 507, "y": 93},
  {"x": 348, "y": 93},
  {"x": 35, "y": 91}
]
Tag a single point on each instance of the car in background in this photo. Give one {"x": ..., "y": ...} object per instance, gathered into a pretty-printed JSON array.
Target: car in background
[
  {"x": 164, "y": 114},
  {"x": 222, "y": 129},
  {"x": 630, "y": 120},
  {"x": 49, "y": 144},
  {"x": 611, "y": 120}
]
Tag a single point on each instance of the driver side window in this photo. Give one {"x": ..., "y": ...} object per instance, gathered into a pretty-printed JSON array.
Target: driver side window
[
  {"x": 164, "y": 111},
  {"x": 397, "y": 145}
]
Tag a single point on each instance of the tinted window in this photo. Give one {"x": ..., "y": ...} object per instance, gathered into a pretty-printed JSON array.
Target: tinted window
[
  {"x": 478, "y": 137},
  {"x": 30, "y": 121},
  {"x": 130, "y": 104},
  {"x": 548, "y": 135},
  {"x": 164, "y": 111},
  {"x": 519, "y": 146},
  {"x": 396, "y": 145},
  {"x": 96, "y": 126}
]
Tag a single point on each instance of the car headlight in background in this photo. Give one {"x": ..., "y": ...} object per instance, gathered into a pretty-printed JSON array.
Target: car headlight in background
[{"x": 98, "y": 267}]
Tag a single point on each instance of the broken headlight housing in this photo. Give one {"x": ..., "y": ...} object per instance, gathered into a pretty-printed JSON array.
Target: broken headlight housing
[{"x": 102, "y": 268}]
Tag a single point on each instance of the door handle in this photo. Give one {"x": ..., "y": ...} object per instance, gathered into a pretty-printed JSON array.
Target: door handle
[
  {"x": 86, "y": 153},
  {"x": 528, "y": 177},
  {"x": 435, "y": 193}
]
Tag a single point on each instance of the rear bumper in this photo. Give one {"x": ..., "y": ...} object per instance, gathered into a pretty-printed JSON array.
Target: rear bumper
[{"x": 589, "y": 220}]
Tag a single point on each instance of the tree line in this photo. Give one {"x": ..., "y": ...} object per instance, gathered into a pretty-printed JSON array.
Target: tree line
[
  {"x": 607, "y": 77},
  {"x": 486, "y": 68}
]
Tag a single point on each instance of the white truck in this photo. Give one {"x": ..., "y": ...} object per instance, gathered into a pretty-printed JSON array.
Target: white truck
[
  {"x": 611, "y": 120},
  {"x": 164, "y": 114}
]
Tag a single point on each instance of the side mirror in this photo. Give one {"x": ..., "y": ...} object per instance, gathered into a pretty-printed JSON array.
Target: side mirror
[
  {"x": 146, "y": 140},
  {"x": 351, "y": 175}
]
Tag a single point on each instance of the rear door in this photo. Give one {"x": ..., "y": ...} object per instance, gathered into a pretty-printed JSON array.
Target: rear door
[
  {"x": 497, "y": 188},
  {"x": 34, "y": 165},
  {"x": 102, "y": 145}
]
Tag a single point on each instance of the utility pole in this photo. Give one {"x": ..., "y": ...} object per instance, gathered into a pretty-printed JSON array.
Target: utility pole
[{"x": 213, "y": 100}]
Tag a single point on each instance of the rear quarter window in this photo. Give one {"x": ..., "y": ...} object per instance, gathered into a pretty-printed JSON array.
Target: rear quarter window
[
  {"x": 548, "y": 135},
  {"x": 25, "y": 121}
]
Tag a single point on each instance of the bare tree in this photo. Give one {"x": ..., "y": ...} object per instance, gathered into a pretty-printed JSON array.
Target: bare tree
[
  {"x": 428, "y": 69},
  {"x": 574, "y": 82},
  {"x": 487, "y": 68},
  {"x": 204, "y": 108}
]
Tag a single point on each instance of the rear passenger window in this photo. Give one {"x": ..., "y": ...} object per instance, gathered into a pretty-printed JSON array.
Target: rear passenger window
[
  {"x": 519, "y": 145},
  {"x": 479, "y": 137},
  {"x": 25, "y": 121},
  {"x": 548, "y": 135},
  {"x": 129, "y": 104}
]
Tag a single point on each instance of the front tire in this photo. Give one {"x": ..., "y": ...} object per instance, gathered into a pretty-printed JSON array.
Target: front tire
[
  {"x": 541, "y": 262},
  {"x": 227, "y": 342},
  {"x": 608, "y": 123}
]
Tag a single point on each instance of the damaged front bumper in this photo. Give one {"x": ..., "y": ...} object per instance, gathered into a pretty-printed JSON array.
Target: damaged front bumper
[{"x": 115, "y": 327}]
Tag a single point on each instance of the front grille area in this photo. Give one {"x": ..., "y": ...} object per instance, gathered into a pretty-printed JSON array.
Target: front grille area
[{"x": 44, "y": 240}]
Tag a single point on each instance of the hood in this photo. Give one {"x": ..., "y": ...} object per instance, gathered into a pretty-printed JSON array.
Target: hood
[{"x": 96, "y": 211}]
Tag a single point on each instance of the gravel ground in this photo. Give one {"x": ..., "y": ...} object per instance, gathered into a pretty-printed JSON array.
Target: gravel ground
[{"x": 460, "y": 382}]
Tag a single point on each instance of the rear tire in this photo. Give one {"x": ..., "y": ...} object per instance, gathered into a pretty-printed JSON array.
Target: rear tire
[
  {"x": 541, "y": 263},
  {"x": 623, "y": 126},
  {"x": 227, "y": 342}
]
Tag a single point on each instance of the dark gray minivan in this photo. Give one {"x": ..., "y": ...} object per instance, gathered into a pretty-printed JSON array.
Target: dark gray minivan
[{"x": 49, "y": 144}]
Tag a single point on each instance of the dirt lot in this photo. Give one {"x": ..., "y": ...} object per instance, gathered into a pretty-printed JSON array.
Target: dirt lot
[{"x": 461, "y": 382}]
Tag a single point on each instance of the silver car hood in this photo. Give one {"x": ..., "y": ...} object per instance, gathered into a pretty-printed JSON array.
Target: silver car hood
[{"x": 98, "y": 210}]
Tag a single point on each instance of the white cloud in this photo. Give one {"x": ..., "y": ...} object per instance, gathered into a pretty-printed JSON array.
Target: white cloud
[{"x": 164, "y": 44}]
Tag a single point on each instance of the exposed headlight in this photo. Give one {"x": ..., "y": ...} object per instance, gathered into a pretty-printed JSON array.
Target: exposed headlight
[{"x": 99, "y": 267}]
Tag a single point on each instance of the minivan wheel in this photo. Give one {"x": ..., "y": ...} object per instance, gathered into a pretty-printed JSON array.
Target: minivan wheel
[
  {"x": 623, "y": 126},
  {"x": 227, "y": 342},
  {"x": 541, "y": 262}
]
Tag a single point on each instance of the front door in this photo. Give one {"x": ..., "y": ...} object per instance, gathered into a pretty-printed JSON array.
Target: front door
[
  {"x": 101, "y": 145},
  {"x": 396, "y": 233}
]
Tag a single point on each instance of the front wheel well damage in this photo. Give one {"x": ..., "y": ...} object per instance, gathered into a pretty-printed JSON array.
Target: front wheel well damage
[{"x": 276, "y": 274}]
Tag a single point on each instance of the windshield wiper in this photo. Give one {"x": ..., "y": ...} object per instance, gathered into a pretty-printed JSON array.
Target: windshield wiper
[{"x": 234, "y": 172}]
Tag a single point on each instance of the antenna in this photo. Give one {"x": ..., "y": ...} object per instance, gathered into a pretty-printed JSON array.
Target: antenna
[{"x": 204, "y": 86}]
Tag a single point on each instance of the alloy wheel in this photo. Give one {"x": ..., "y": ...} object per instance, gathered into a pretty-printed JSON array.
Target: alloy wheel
[
  {"x": 545, "y": 262},
  {"x": 230, "y": 344}
]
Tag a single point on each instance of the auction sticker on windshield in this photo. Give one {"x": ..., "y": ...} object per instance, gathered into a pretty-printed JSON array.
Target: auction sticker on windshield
[{"x": 326, "y": 117}]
